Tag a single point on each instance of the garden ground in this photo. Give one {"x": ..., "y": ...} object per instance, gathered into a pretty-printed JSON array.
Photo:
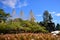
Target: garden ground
[{"x": 29, "y": 36}]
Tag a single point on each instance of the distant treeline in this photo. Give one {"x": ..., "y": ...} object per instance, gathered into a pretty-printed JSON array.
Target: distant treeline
[{"x": 18, "y": 25}]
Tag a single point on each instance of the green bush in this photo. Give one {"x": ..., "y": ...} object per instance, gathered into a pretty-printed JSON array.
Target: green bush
[{"x": 26, "y": 26}]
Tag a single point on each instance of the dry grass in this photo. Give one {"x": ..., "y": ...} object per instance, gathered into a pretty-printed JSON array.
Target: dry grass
[{"x": 29, "y": 36}]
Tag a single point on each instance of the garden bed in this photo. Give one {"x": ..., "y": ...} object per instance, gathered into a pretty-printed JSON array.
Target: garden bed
[{"x": 29, "y": 36}]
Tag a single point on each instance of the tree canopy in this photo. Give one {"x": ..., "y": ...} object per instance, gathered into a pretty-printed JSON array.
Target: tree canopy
[
  {"x": 3, "y": 15},
  {"x": 20, "y": 25}
]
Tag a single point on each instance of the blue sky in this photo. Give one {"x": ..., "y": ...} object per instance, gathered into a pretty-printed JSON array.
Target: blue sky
[{"x": 38, "y": 7}]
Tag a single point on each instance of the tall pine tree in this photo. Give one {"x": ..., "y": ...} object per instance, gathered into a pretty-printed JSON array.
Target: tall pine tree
[
  {"x": 21, "y": 14},
  {"x": 32, "y": 16}
]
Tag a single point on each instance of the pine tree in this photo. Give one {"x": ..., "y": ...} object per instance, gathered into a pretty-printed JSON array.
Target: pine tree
[
  {"x": 45, "y": 18},
  {"x": 13, "y": 12},
  {"x": 58, "y": 26},
  {"x": 50, "y": 18},
  {"x": 21, "y": 14},
  {"x": 3, "y": 16},
  {"x": 47, "y": 21},
  {"x": 32, "y": 16}
]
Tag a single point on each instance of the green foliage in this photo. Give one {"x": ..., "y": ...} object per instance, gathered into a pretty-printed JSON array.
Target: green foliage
[
  {"x": 50, "y": 18},
  {"x": 19, "y": 24},
  {"x": 3, "y": 15},
  {"x": 47, "y": 18},
  {"x": 2, "y": 26},
  {"x": 26, "y": 26},
  {"x": 58, "y": 27}
]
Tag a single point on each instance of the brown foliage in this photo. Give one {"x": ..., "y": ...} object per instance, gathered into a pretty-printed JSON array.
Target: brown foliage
[{"x": 29, "y": 36}]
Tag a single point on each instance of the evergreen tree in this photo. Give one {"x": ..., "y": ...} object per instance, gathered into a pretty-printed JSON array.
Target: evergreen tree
[
  {"x": 50, "y": 18},
  {"x": 3, "y": 15},
  {"x": 32, "y": 16},
  {"x": 47, "y": 21},
  {"x": 46, "y": 17},
  {"x": 58, "y": 27},
  {"x": 13, "y": 12},
  {"x": 21, "y": 14}
]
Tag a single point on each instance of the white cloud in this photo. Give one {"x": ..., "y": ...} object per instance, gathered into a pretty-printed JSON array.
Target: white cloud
[
  {"x": 39, "y": 15},
  {"x": 22, "y": 5},
  {"x": 52, "y": 12},
  {"x": 58, "y": 14},
  {"x": 54, "y": 20},
  {"x": 14, "y": 3},
  {"x": 10, "y": 3}
]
